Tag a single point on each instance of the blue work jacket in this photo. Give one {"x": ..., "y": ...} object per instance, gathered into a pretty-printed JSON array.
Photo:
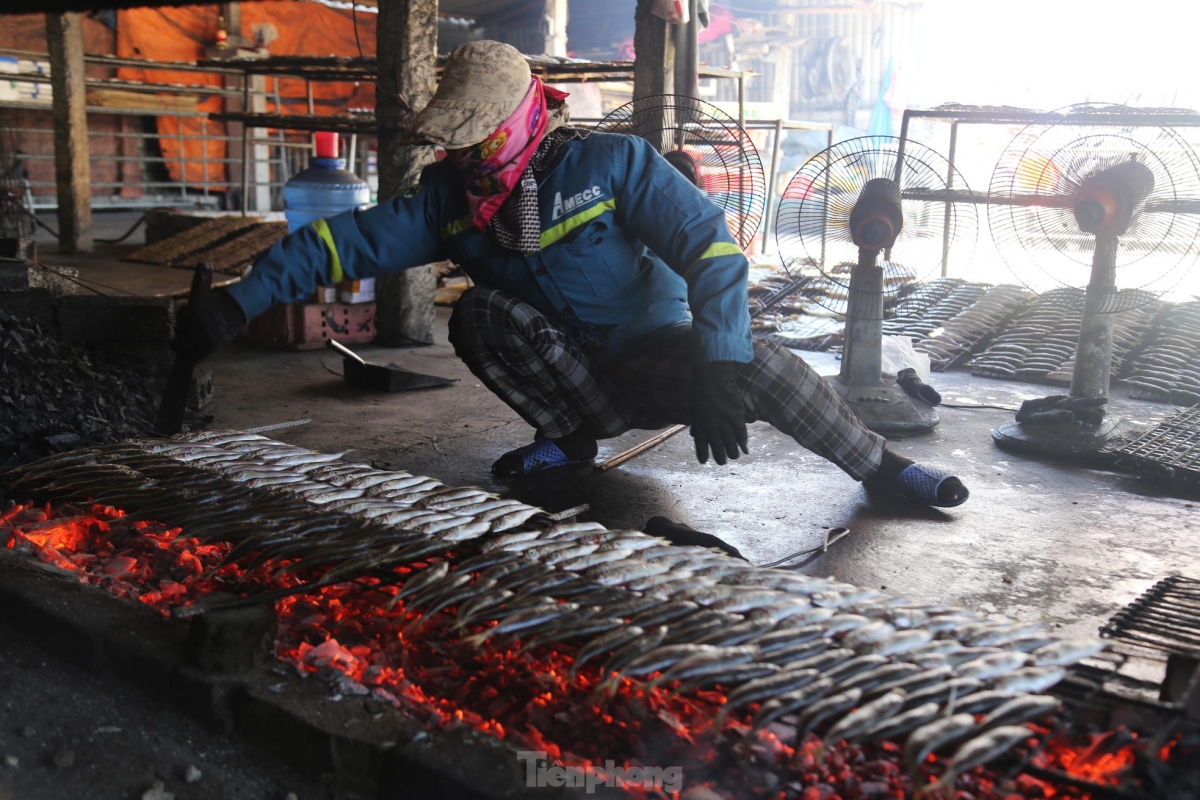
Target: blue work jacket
[{"x": 629, "y": 247}]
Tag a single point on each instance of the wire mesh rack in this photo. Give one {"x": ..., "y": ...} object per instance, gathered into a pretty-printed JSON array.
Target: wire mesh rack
[{"x": 1170, "y": 449}]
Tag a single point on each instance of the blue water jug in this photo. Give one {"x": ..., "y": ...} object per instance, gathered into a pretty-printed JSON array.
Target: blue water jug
[{"x": 325, "y": 189}]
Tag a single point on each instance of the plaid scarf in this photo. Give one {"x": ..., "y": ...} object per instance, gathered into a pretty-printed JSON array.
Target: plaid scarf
[{"x": 518, "y": 224}]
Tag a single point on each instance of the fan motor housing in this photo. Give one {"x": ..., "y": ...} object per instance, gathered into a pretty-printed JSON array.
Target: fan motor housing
[
  {"x": 876, "y": 219},
  {"x": 1106, "y": 202}
]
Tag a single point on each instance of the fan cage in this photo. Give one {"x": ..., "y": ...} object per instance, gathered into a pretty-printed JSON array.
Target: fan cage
[
  {"x": 728, "y": 166},
  {"x": 812, "y": 230},
  {"x": 1031, "y": 201}
]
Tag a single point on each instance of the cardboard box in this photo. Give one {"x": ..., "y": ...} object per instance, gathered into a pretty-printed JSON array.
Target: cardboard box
[{"x": 357, "y": 291}]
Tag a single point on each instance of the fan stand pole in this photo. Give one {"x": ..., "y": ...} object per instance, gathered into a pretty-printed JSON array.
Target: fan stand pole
[
  {"x": 877, "y": 401},
  {"x": 1093, "y": 364},
  {"x": 862, "y": 356},
  {"x": 1093, "y": 356}
]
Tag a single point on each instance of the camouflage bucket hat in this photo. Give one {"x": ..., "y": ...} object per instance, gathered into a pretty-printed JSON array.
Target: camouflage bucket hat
[{"x": 481, "y": 86}]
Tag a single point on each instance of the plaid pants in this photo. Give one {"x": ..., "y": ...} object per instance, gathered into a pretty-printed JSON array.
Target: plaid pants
[{"x": 559, "y": 387}]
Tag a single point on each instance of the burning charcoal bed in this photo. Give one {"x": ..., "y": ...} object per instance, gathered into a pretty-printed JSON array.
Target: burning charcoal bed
[{"x": 587, "y": 645}]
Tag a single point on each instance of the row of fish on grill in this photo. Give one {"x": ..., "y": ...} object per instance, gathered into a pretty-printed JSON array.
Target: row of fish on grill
[
  {"x": 1168, "y": 368},
  {"x": 1039, "y": 345},
  {"x": 825, "y": 656}
]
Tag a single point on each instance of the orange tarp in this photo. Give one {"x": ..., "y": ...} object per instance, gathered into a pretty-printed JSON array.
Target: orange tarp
[{"x": 186, "y": 33}]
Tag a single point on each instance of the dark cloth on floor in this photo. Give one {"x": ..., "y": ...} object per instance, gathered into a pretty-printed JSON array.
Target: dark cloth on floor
[{"x": 560, "y": 387}]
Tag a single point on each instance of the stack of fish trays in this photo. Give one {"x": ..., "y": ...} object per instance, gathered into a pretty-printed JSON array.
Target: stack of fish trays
[
  {"x": 1039, "y": 344},
  {"x": 921, "y": 297},
  {"x": 1130, "y": 329},
  {"x": 1168, "y": 367},
  {"x": 982, "y": 311},
  {"x": 807, "y": 332}
]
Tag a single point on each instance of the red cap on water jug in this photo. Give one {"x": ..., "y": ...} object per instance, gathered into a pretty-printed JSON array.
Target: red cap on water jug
[{"x": 327, "y": 145}]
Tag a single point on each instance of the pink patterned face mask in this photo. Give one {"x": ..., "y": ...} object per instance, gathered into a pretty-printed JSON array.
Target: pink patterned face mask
[{"x": 494, "y": 166}]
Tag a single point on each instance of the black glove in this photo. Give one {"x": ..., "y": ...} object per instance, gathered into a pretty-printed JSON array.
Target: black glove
[
  {"x": 718, "y": 411},
  {"x": 917, "y": 388},
  {"x": 1059, "y": 409},
  {"x": 204, "y": 324}
]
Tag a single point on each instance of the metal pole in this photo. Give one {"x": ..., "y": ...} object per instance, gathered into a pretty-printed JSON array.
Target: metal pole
[
  {"x": 862, "y": 363},
  {"x": 245, "y": 145},
  {"x": 767, "y": 215},
  {"x": 284, "y": 172},
  {"x": 204, "y": 154},
  {"x": 825, "y": 204},
  {"x": 182, "y": 159},
  {"x": 898, "y": 174},
  {"x": 742, "y": 100},
  {"x": 308, "y": 91},
  {"x": 1093, "y": 355},
  {"x": 949, "y": 205},
  {"x": 352, "y": 151}
]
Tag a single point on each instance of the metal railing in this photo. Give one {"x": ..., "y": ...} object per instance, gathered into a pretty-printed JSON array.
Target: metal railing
[{"x": 251, "y": 179}]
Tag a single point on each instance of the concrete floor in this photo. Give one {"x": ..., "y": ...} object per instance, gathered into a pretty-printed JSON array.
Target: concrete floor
[{"x": 1037, "y": 540}]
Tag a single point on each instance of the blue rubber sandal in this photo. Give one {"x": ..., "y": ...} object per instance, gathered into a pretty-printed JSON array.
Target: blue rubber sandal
[
  {"x": 542, "y": 454},
  {"x": 921, "y": 483}
]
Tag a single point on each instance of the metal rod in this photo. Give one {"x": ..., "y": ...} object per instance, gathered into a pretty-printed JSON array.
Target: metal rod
[
  {"x": 949, "y": 207},
  {"x": 1093, "y": 354},
  {"x": 245, "y": 148},
  {"x": 825, "y": 206},
  {"x": 199, "y": 609},
  {"x": 774, "y": 179},
  {"x": 1155, "y": 622},
  {"x": 898, "y": 174},
  {"x": 278, "y": 426},
  {"x": 308, "y": 93},
  {"x": 204, "y": 152},
  {"x": 182, "y": 160},
  {"x": 741, "y": 81}
]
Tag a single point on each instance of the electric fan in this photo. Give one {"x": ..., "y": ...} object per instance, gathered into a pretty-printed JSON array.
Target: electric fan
[
  {"x": 846, "y": 216},
  {"x": 1100, "y": 196},
  {"x": 708, "y": 146}
]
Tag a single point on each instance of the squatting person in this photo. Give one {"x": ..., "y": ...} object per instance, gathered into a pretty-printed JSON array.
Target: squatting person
[{"x": 609, "y": 294}]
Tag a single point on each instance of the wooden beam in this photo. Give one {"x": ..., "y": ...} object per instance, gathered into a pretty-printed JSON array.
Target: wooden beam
[
  {"x": 64, "y": 36},
  {"x": 406, "y": 46},
  {"x": 654, "y": 43}
]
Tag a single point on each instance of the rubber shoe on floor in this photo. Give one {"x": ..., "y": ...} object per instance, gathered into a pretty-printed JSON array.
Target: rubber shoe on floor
[
  {"x": 930, "y": 486},
  {"x": 540, "y": 455}
]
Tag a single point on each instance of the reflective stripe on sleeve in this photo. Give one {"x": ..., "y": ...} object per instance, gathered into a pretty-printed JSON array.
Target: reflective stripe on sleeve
[
  {"x": 457, "y": 227},
  {"x": 335, "y": 261},
  {"x": 569, "y": 224},
  {"x": 720, "y": 249},
  {"x": 713, "y": 250}
]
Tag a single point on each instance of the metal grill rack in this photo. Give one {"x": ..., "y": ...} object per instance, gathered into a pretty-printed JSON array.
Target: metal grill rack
[
  {"x": 1166, "y": 617},
  {"x": 1170, "y": 449}
]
